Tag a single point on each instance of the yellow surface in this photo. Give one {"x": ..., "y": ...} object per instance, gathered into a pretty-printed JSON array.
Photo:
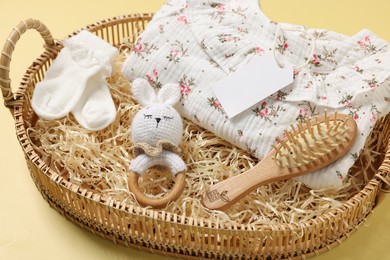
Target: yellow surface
[{"x": 30, "y": 229}]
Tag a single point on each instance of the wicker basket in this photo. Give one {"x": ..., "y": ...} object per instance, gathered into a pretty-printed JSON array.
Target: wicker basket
[{"x": 159, "y": 231}]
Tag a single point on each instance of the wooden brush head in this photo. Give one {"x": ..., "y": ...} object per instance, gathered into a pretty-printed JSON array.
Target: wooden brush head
[{"x": 314, "y": 141}]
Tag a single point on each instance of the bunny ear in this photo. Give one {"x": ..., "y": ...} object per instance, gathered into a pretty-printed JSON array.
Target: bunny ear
[
  {"x": 169, "y": 94},
  {"x": 143, "y": 92}
]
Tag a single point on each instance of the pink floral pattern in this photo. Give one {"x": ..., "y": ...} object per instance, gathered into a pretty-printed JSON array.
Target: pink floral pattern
[
  {"x": 153, "y": 80},
  {"x": 177, "y": 52},
  {"x": 354, "y": 112},
  {"x": 182, "y": 19},
  {"x": 228, "y": 37},
  {"x": 339, "y": 175},
  {"x": 213, "y": 102},
  {"x": 358, "y": 69},
  {"x": 375, "y": 115},
  {"x": 280, "y": 95},
  {"x": 186, "y": 85},
  {"x": 268, "y": 113},
  {"x": 255, "y": 50},
  {"x": 219, "y": 11},
  {"x": 309, "y": 84},
  {"x": 282, "y": 44},
  {"x": 302, "y": 114},
  {"x": 262, "y": 110},
  {"x": 322, "y": 97},
  {"x": 327, "y": 56},
  {"x": 143, "y": 49},
  {"x": 366, "y": 45},
  {"x": 306, "y": 110},
  {"x": 161, "y": 28},
  {"x": 242, "y": 30},
  {"x": 315, "y": 61},
  {"x": 346, "y": 100},
  {"x": 372, "y": 83},
  {"x": 295, "y": 73}
]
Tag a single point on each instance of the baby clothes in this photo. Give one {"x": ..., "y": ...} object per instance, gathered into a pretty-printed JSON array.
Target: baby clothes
[
  {"x": 199, "y": 42},
  {"x": 76, "y": 82}
]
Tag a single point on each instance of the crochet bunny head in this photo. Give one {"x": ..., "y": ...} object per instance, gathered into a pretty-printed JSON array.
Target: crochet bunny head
[{"x": 158, "y": 120}]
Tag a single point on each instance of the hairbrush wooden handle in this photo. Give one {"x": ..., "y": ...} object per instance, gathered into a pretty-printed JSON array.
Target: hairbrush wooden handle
[
  {"x": 222, "y": 195},
  {"x": 309, "y": 147}
]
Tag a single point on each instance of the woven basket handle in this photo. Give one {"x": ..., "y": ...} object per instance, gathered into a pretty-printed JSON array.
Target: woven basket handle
[
  {"x": 383, "y": 175},
  {"x": 6, "y": 55}
]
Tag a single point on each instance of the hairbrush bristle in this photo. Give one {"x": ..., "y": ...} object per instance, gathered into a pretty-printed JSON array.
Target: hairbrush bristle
[{"x": 310, "y": 142}]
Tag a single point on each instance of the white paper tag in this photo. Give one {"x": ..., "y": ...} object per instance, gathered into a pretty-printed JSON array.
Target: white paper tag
[{"x": 252, "y": 83}]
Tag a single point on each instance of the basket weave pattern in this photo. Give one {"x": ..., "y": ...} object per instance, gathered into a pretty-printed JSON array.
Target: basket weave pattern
[{"x": 163, "y": 232}]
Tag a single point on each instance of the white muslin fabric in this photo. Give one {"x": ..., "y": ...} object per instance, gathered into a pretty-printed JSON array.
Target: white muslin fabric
[
  {"x": 76, "y": 82},
  {"x": 196, "y": 43}
]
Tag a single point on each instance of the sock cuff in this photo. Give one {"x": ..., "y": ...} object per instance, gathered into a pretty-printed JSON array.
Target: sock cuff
[{"x": 88, "y": 49}]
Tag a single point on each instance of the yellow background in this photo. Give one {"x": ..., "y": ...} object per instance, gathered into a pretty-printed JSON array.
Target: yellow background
[{"x": 30, "y": 229}]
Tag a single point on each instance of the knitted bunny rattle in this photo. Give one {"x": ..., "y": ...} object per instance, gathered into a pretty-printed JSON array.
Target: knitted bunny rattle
[{"x": 157, "y": 130}]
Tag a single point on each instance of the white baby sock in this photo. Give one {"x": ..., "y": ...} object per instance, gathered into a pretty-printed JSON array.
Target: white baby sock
[
  {"x": 61, "y": 88},
  {"x": 95, "y": 109},
  {"x": 76, "y": 83}
]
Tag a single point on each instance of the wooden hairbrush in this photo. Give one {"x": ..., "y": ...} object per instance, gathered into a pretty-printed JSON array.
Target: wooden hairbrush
[{"x": 306, "y": 148}]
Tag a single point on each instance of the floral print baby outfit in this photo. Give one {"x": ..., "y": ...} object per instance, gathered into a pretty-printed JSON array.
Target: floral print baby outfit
[{"x": 196, "y": 43}]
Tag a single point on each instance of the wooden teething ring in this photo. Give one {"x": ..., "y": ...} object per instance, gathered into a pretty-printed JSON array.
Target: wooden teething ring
[{"x": 172, "y": 195}]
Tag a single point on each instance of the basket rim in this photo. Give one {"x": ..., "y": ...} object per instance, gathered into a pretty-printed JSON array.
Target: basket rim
[{"x": 374, "y": 184}]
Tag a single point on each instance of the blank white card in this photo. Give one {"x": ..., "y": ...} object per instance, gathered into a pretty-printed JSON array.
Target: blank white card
[{"x": 252, "y": 83}]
